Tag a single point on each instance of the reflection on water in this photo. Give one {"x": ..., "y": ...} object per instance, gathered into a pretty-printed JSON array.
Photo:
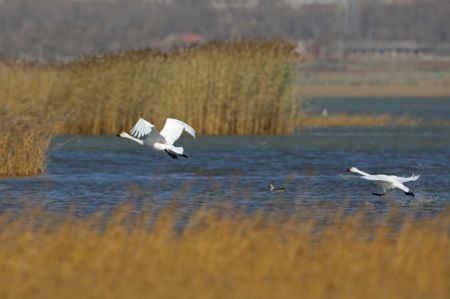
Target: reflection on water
[{"x": 95, "y": 173}]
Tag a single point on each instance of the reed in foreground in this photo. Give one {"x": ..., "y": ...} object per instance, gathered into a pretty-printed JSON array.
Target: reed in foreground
[
  {"x": 24, "y": 141},
  {"x": 219, "y": 256}
]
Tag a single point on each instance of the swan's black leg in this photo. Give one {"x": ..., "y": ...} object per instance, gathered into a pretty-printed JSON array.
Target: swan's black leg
[
  {"x": 379, "y": 194},
  {"x": 171, "y": 154}
]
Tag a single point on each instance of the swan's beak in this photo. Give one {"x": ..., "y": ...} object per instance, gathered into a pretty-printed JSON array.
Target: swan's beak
[
  {"x": 348, "y": 169},
  {"x": 118, "y": 135},
  {"x": 410, "y": 193}
]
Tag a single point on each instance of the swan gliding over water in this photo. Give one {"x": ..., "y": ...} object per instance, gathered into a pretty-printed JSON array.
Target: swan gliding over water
[
  {"x": 145, "y": 133},
  {"x": 387, "y": 181}
]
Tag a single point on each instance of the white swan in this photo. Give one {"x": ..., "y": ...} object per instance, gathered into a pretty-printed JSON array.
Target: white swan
[
  {"x": 387, "y": 181},
  {"x": 145, "y": 133}
]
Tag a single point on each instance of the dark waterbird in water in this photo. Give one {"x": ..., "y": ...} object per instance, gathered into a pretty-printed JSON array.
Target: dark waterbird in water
[{"x": 276, "y": 189}]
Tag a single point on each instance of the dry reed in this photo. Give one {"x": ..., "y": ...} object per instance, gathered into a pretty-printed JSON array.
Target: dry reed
[
  {"x": 219, "y": 88},
  {"x": 219, "y": 256},
  {"x": 24, "y": 140}
]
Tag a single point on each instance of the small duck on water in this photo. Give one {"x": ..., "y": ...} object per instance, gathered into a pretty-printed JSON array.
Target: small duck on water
[{"x": 273, "y": 189}]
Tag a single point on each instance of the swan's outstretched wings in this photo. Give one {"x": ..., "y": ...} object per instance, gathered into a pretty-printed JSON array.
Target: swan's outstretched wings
[
  {"x": 141, "y": 128},
  {"x": 174, "y": 128},
  {"x": 407, "y": 179}
]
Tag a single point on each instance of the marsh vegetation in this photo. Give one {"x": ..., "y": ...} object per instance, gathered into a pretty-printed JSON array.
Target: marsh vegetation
[
  {"x": 219, "y": 88},
  {"x": 24, "y": 140},
  {"x": 223, "y": 253}
]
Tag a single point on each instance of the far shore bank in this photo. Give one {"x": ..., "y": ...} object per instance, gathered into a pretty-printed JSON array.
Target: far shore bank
[
  {"x": 316, "y": 91},
  {"x": 391, "y": 78}
]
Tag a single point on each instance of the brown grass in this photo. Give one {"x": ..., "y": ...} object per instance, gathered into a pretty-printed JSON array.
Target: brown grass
[
  {"x": 24, "y": 140},
  {"x": 359, "y": 120},
  {"x": 219, "y": 256},
  {"x": 219, "y": 88}
]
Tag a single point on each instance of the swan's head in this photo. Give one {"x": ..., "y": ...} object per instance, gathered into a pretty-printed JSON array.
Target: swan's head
[
  {"x": 271, "y": 186},
  {"x": 352, "y": 169}
]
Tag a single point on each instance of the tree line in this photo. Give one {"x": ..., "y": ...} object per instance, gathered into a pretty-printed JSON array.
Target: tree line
[{"x": 64, "y": 29}]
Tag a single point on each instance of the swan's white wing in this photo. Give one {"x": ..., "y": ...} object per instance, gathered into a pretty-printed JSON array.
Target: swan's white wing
[
  {"x": 401, "y": 187},
  {"x": 372, "y": 178},
  {"x": 407, "y": 179},
  {"x": 174, "y": 128},
  {"x": 378, "y": 177},
  {"x": 141, "y": 128}
]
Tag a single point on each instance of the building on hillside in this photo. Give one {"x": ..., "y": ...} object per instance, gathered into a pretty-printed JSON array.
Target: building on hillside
[
  {"x": 399, "y": 2},
  {"x": 298, "y": 3},
  {"x": 179, "y": 40},
  {"x": 220, "y": 4}
]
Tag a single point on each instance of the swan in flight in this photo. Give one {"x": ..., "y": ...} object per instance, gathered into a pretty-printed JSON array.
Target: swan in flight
[
  {"x": 146, "y": 134},
  {"x": 387, "y": 181}
]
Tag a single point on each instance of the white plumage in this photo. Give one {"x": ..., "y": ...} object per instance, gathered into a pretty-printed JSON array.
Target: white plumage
[
  {"x": 174, "y": 128},
  {"x": 145, "y": 133},
  {"x": 387, "y": 181}
]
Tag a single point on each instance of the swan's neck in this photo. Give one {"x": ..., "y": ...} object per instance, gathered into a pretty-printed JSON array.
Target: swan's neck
[
  {"x": 354, "y": 169},
  {"x": 125, "y": 135}
]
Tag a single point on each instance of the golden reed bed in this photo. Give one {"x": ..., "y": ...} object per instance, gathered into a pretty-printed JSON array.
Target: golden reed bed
[
  {"x": 223, "y": 256},
  {"x": 24, "y": 141},
  {"x": 218, "y": 88}
]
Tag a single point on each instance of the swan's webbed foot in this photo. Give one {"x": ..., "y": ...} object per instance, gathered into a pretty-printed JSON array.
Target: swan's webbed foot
[{"x": 171, "y": 154}]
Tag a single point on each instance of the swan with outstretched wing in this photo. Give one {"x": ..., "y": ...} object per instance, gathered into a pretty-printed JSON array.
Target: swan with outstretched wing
[
  {"x": 386, "y": 182},
  {"x": 146, "y": 134}
]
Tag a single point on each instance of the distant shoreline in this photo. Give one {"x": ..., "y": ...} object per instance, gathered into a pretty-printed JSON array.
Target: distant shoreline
[
  {"x": 316, "y": 91},
  {"x": 395, "y": 78}
]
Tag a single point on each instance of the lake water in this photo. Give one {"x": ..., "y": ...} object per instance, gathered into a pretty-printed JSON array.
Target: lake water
[{"x": 101, "y": 172}]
